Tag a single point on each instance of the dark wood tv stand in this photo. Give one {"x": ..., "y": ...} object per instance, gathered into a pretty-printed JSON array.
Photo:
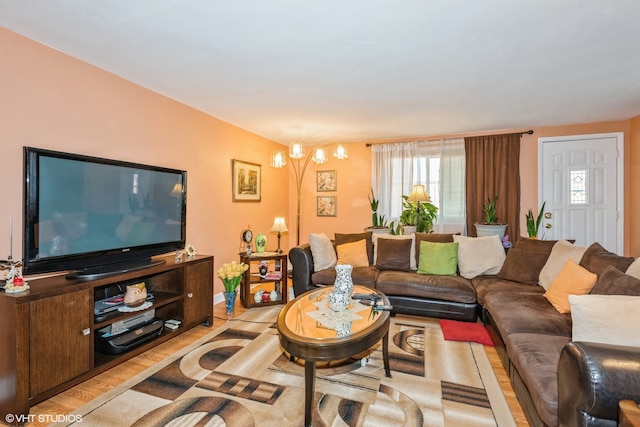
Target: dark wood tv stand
[{"x": 47, "y": 333}]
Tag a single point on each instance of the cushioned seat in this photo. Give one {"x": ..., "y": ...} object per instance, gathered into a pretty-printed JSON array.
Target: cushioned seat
[
  {"x": 449, "y": 288},
  {"x": 365, "y": 276},
  {"x": 535, "y": 357},
  {"x": 485, "y": 285},
  {"x": 518, "y": 312}
]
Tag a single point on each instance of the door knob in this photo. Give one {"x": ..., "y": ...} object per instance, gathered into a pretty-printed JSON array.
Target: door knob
[
  {"x": 547, "y": 225},
  {"x": 548, "y": 215}
]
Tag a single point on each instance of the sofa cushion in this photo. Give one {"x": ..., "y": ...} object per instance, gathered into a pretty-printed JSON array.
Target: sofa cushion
[
  {"x": 354, "y": 254},
  {"x": 523, "y": 266},
  {"x": 392, "y": 254},
  {"x": 535, "y": 357},
  {"x": 614, "y": 282},
  {"x": 536, "y": 245},
  {"x": 438, "y": 258},
  {"x": 479, "y": 255},
  {"x": 341, "y": 238},
  {"x": 412, "y": 284},
  {"x": 634, "y": 269},
  {"x": 561, "y": 252},
  {"x": 572, "y": 280},
  {"x": 431, "y": 237},
  {"x": 606, "y": 319},
  {"x": 485, "y": 285},
  {"x": 322, "y": 250},
  {"x": 596, "y": 259},
  {"x": 412, "y": 253},
  {"x": 365, "y": 276},
  {"x": 526, "y": 312}
]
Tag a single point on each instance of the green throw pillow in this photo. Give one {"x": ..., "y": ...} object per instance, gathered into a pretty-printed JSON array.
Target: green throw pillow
[{"x": 438, "y": 258}]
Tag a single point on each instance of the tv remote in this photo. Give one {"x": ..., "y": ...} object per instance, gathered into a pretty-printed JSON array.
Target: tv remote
[
  {"x": 383, "y": 307},
  {"x": 372, "y": 297}
]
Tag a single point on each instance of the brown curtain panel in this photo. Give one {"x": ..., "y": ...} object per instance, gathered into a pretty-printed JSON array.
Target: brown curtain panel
[{"x": 493, "y": 167}]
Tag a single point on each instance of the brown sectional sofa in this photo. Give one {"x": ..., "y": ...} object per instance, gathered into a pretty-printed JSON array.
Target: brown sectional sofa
[{"x": 557, "y": 381}]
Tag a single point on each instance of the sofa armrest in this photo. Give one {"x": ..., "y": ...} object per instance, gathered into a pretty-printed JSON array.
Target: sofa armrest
[
  {"x": 302, "y": 264},
  {"x": 592, "y": 379}
]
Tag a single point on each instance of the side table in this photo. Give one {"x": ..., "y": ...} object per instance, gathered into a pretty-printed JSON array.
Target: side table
[
  {"x": 628, "y": 414},
  {"x": 275, "y": 280}
]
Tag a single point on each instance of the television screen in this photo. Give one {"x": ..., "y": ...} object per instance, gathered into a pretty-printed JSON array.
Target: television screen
[{"x": 87, "y": 213}]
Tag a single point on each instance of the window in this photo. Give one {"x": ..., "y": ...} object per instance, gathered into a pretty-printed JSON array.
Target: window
[{"x": 438, "y": 164}]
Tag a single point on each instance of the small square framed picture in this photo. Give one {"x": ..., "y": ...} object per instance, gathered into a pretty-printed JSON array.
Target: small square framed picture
[
  {"x": 327, "y": 206},
  {"x": 326, "y": 181}
]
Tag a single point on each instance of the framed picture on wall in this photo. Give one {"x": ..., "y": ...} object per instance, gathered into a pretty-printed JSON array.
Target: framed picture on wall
[
  {"x": 246, "y": 181},
  {"x": 326, "y": 181},
  {"x": 327, "y": 206}
]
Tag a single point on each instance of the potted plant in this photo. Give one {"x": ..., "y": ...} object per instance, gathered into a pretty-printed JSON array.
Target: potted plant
[
  {"x": 490, "y": 226},
  {"x": 417, "y": 216},
  {"x": 378, "y": 222},
  {"x": 533, "y": 224}
]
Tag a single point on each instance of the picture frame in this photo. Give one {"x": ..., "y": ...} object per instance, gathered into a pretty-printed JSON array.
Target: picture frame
[
  {"x": 326, "y": 180},
  {"x": 246, "y": 181},
  {"x": 327, "y": 206}
]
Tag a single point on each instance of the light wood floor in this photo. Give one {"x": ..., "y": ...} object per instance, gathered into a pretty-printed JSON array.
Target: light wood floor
[{"x": 77, "y": 396}]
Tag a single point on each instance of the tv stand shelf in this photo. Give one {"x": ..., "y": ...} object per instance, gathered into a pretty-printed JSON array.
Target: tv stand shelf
[{"x": 48, "y": 333}]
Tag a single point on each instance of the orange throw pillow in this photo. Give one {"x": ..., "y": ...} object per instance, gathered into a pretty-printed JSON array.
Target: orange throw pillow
[
  {"x": 354, "y": 254},
  {"x": 572, "y": 280}
]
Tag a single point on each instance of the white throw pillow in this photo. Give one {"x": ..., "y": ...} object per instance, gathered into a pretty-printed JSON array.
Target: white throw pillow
[
  {"x": 324, "y": 255},
  {"x": 479, "y": 255},
  {"x": 607, "y": 319},
  {"x": 634, "y": 269},
  {"x": 561, "y": 252},
  {"x": 412, "y": 262}
]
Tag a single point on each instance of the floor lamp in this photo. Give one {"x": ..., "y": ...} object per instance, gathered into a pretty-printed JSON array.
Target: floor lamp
[{"x": 300, "y": 161}]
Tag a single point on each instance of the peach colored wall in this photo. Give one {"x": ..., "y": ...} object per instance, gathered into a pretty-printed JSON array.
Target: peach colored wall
[{"x": 53, "y": 101}]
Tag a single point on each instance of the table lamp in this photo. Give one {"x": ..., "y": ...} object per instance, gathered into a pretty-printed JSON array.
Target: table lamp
[{"x": 279, "y": 226}]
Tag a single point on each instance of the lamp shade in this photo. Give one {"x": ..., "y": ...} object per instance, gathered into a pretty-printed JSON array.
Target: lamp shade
[
  {"x": 341, "y": 152},
  {"x": 419, "y": 194},
  {"x": 278, "y": 159},
  {"x": 279, "y": 225},
  {"x": 296, "y": 150},
  {"x": 320, "y": 156}
]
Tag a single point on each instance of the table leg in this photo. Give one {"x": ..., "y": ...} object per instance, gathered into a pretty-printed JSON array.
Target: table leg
[
  {"x": 309, "y": 385},
  {"x": 385, "y": 354}
]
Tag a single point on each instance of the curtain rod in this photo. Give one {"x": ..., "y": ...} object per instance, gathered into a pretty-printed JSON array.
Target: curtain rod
[{"x": 528, "y": 132}]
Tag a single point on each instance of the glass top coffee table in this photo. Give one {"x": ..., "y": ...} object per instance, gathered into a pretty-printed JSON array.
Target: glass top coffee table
[{"x": 311, "y": 331}]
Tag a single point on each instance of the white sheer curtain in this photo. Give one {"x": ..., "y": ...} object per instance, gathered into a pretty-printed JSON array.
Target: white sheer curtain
[{"x": 438, "y": 164}]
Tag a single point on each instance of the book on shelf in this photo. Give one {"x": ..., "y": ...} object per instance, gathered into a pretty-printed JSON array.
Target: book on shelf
[{"x": 273, "y": 275}]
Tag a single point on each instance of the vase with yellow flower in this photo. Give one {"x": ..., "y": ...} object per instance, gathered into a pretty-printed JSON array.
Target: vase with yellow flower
[{"x": 231, "y": 274}]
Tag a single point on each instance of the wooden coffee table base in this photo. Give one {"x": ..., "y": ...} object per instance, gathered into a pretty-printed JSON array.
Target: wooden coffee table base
[
  {"x": 301, "y": 341},
  {"x": 310, "y": 377}
]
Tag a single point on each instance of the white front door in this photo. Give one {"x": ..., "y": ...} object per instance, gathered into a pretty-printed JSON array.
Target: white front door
[{"x": 580, "y": 179}]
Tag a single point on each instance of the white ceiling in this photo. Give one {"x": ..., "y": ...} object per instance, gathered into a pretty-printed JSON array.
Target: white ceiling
[{"x": 346, "y": 70}]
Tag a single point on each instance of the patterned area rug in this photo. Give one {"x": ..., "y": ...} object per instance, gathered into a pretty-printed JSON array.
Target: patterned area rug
[{"x": 237, "y": 376}]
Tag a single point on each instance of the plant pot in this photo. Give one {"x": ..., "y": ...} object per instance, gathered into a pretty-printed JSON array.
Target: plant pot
[
  {"x": 409, "y": 229},
  {"x": 483, "y": 230},
  {"x": 379, "y": 230}
]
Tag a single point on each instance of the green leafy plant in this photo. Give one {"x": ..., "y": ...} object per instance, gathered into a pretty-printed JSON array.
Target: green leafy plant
[
  {"x": 533, "y": 224},
  {"x": 489, "y": 208},
  {"x": 422, "y": 217},
  {"x": 377, "y": 221}
]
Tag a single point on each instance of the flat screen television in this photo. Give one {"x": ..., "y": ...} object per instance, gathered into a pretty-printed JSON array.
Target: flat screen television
[{"x": 95, "y": 217}]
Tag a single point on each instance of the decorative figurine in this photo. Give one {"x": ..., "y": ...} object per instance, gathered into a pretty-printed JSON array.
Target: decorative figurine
[
  {"x": 191, "y": 250},
  {"x": 136, "y": 295}
]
